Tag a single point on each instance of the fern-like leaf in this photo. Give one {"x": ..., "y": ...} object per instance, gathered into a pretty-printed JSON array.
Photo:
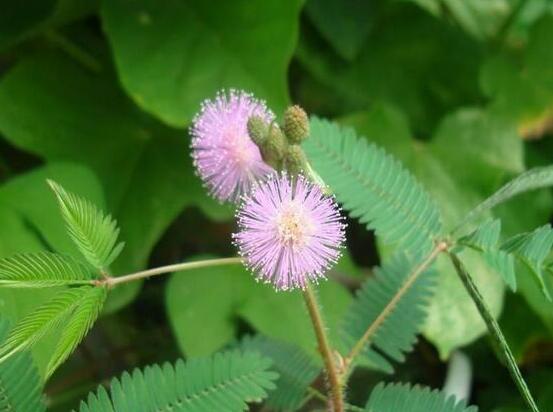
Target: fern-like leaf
[
  {"x": 531, "y": 249},
  {"x": 42, "y": 269},
  {"x": 46, "y": 318},
  {"x": 295, "y": 368},
  {"x": 394, "y": 317},
  {"x": 20, "y": 385},
  {"x": 485, "y": 239},
  {"x": 225, "y": 382},
  {"x": 94, "y": 233},
  {"x": 78, "y": 325},
  {"x": 405, "y": 398},
  {"x": 533, "y": 179},
  {"x": 373, "y": 186}
]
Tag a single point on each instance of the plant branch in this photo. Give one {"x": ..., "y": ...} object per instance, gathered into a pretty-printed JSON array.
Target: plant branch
[
  {"x": 112, "y": 281},
  {"x": 494, "y": 330},
  {"x": 375, "y": 325},
  {"x": 325, "y": 350}
]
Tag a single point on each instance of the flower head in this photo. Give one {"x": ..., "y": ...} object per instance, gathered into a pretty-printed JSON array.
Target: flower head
[
  {"x": 224, "y": 155},
  {"x": 289, "y": 232}
]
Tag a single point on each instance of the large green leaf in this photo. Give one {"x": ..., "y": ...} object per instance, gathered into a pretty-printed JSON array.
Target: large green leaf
[
  {"x": 344, "y": 24},
  {"x": 172, "y": 55},
  {"x": 202, "y": 325},
  {"x": 20, "y": 385},
  {"x": 203, "y": 304},
  {"x": 21, "y": 20},
  {"x": 406, "y": 60},
  {"x": 58, "y": 110},
  {"x": 522, "y": 91},
  {"x": 224, "y": 382}
]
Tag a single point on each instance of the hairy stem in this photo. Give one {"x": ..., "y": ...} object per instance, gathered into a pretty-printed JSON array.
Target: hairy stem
[
  {"x": 375, "y": 325},
  {"x": 495, "y": 331},
  {"x": 325, "y": 350},
  {"x": 111, "y": 281}
]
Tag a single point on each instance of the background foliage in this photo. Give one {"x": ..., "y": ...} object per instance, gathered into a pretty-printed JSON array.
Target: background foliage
[{"x": 98, "y": 95}]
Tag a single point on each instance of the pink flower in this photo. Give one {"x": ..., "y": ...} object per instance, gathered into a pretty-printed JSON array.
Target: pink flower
[
  {"x": 289, "y": 232},
  {"x": 224, "y": 155}
]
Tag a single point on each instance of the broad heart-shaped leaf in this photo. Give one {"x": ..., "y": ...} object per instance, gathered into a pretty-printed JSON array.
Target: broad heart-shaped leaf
[
  {"x": 404, "y": 39},
  {"x": 21, "y": 20},
  {"x": 374, "y": 186},
  {"x": 202, "y": 326},
  {"x": 224, "y": 382},
  {"x": 395, "y": 333},
  {"x": 407, "y": 398},
  {"x": 145, "y": 168},
  {"x": 20, "y": 384},
  {"x": 172, "y": 55},
  {"x": 344, "y": 24},
  {"x": 521, "y": 91},
  {"x": 42, "y": 269},
  {"x": 456, "y": 194},
  {"x": 295, "y": 368},
  {"x": 94, "y": 232}
]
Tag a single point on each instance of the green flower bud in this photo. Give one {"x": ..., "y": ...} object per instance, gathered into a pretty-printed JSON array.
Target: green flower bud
[
  {"x": 295, "y": 161},
  {"x": 257, "y": 130},
  {"x": 296, "y": 124},
  {"x": 274, "y": 147}
]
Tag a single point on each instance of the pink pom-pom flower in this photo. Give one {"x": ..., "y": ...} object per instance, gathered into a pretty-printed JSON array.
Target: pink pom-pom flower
[
  {"x": 225, "y": 157},
  {"x": 289, "y": 233}
]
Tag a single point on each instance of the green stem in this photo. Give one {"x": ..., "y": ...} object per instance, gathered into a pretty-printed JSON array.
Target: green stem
[
  {"x": 112, "y": 281},
  {"x": 495, "y": 331},
  {"x": 325, "y": 350},
  {"x": 77, "y": 53}
]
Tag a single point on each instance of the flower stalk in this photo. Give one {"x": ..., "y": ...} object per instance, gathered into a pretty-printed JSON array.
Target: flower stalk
[{"x": 336, "y": 394}]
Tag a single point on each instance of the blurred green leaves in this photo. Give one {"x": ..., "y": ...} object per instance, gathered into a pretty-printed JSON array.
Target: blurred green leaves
[
  {"x": 193, "y": 48},
  {"x": 204, "y": 306}
]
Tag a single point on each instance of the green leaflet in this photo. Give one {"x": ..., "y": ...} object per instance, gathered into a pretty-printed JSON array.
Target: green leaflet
[
  {"x": 485, "y": 239},
  {"x": 20, "y": 385},
  {"x": 94, "y": 233},
  {"x": 404, "y": 398},
  {"x": 224, "y": 382},
  {"x": 533, "y": 179},
  {"x": 295, "y": 368},
  {"x": 530, "y": 249},
  {"x": 42, "y": 269},
  {"x": 396, "y": 333},
  {"x": 374, "y": 187},
  {"x": 78, "y": 326},
  {"x": 69, "y": 313}
]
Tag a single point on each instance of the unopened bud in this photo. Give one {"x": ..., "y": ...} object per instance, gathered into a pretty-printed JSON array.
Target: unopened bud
[
  {"x": 275, "y": 146},
  {"x": 295, "y": 161},
  {"x": 257, "y": 130},
  {"x": 296, "y": 124}
]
